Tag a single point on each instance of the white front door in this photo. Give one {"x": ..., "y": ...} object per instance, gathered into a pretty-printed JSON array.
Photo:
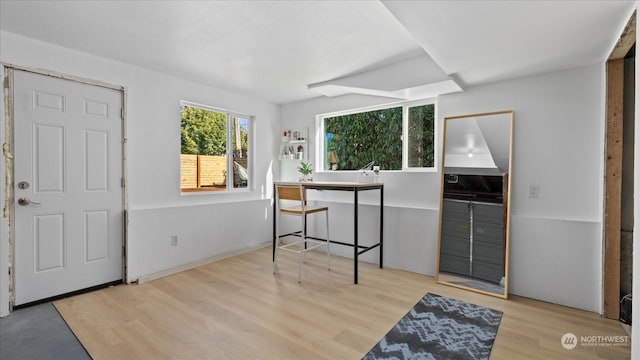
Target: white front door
[{"x": 67, "y": 186}]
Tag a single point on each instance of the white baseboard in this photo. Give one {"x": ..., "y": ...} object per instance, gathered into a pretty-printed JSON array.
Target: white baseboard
[{"x": 195, "y": 264}]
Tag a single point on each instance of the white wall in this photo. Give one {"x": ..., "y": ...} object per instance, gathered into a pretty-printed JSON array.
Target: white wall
[
  {"x": 157, "y": 209},
  {"x": 555, "y": 239}
]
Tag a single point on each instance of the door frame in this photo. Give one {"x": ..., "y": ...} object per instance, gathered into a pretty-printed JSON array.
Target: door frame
[
  {"x": 613, "y": 170},
  {"x": 6, "y": 181}
]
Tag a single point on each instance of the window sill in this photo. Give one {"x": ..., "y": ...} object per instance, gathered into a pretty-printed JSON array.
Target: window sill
[
  {"x": 213, "y": 190},
  {"x": 407, "y": 170}
]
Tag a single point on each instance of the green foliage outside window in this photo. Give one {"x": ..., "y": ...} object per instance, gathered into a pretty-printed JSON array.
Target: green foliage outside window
[
  {"x": 421, "y": 136},
  {"x": 354, "y": 140},
  {"x": 357, "y": 139},
  {"x": 203, "y": 132}
]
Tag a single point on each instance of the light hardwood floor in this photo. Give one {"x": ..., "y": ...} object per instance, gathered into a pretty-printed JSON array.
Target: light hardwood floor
[{"x": 237, "y": 309}]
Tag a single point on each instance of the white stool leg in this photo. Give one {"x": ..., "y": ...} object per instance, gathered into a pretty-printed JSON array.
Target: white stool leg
[
  {"x": 302, "y": 248},
  {"x": 328, "y": 242},
  {"x": 277, "y": 243}
]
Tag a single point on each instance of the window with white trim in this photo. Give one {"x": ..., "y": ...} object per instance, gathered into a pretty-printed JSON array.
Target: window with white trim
[
  {"x": 215, "y": 147},
  {"x": 398, "y": 137}
]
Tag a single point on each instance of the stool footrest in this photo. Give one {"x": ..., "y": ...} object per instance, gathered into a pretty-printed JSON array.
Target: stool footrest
[{"x": 316, "y": 245}]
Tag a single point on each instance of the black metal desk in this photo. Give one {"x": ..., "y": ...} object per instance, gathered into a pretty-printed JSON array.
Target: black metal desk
[{"x": 355, "y": 187}]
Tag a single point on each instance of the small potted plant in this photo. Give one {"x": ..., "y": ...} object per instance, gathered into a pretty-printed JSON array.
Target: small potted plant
[{"x": 305, "y": 169}]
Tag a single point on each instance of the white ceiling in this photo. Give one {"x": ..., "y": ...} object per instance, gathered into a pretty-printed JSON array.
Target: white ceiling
[{"x": 286, "y": 51}]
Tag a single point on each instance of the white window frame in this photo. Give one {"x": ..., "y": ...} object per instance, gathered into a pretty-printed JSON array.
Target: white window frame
[
  {"x": 320, "y": 156},
  {"x": 228, "y": 155}
]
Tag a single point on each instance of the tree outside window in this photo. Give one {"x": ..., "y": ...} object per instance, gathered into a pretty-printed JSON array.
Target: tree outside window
[
  {"x": 421, "y": 136},
  {"x": 354, "y": 140},
  {"x": 207, "y": 136}
]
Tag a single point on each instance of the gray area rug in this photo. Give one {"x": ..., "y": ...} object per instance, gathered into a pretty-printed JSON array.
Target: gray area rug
[
  {"x": 38, "y": 332},
  {"x": 439, "y": 328}
]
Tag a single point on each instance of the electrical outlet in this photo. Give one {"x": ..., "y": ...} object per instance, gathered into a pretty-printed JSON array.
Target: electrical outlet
[
  {"x": 174, "y": 240},
  {"x": 534, "y": 191}
]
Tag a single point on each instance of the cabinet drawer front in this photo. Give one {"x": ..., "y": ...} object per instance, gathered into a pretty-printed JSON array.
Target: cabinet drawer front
[
  {"x": 454, "y": 264},
  {"x": 488, "y": 232},
  {"x": 452, "y": 209},
  {"x": 489, "y": 253},
  {"x": 456, "y": 228},
  {"x": 489, "y": 272},
  {"x": 488, "y": 213},
  {"x": 458, "y": 246}
]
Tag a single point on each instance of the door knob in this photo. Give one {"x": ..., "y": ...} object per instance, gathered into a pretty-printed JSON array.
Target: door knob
[{"x": 24, "y": 201}]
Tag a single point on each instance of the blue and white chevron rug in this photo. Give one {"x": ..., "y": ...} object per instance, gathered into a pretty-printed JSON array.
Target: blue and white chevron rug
[{"x": 440, "y": 328}]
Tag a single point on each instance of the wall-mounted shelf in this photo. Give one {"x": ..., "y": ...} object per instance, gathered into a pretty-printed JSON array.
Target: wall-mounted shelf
[{"x": 294, "y": 145}]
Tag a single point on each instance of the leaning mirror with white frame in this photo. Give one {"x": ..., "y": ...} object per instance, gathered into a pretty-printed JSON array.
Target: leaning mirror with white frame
[{"x": 473, "y": 232}]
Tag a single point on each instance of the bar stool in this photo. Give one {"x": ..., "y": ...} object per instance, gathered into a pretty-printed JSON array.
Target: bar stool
[{"x": 296, "y": 195}]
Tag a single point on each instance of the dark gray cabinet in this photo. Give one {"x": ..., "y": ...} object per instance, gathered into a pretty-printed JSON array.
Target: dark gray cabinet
[
  {"x": 472, "y": 239},
  {"x": 455, "y": 247}
]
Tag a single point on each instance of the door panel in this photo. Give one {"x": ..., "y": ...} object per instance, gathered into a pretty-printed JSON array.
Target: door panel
[
  {"x": 96, "y": 154},
  {"x": 69, "y": 219},
  {"x": 44, "y": 101},
  {"x": 48, "y": 158},
  {"x": 96, "y": 231},
  {"x": 48, "y": 234}
]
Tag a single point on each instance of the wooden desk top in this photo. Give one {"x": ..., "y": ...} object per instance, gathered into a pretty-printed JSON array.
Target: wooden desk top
[{"x": 345, "y": 185}]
